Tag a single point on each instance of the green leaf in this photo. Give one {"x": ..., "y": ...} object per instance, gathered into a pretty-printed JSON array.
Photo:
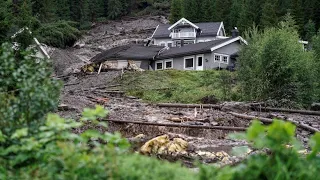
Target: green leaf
[
  {"x": 20, "y": 133},
  {"x": 237, "y": 136},
  {"x": 255, "y": 130},
  {"x": 314, "y": 144},
  {"x": 240, "y": 151}
]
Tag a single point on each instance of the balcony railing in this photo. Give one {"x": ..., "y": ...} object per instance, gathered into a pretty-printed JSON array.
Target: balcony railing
[{"x": 183, "y": 35}]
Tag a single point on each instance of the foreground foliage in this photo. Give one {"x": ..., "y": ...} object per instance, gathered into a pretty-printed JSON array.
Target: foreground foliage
[
  {"x": 281, "y": 158},
  {"x": 27, "y": 92}
]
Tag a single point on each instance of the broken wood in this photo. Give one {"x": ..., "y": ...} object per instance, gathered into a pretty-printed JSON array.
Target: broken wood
[
  {"x": 306, "y": 112},
  {"x": 267, "y": 120},
  {"x": 189, "y": 105},
  {"x": 185, "y": 119},
  {"x": 100, "y": 68},
  {"x": 180, "y": 125}
]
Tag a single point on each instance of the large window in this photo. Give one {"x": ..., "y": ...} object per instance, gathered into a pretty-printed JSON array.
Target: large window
[
  {"x": 159, "y": 65},
  {"x": 188, "y": 63},
  {"x": 168, "y": 64},
  {"x": 221, "y": 58}
]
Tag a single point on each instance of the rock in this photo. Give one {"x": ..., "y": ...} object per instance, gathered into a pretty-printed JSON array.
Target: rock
[
  {"x": 238, "y": 107},
  {"x": 315, "y": 107}
]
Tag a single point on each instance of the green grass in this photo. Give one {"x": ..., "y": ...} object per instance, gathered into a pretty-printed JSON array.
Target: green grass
[{"x": 180, "y": 86}]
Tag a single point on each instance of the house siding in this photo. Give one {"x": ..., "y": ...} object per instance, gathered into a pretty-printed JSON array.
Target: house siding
[{"x": 208, "y": 58}]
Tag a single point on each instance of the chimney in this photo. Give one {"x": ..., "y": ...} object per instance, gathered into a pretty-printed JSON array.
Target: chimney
[{"x": 235, "y": 32}]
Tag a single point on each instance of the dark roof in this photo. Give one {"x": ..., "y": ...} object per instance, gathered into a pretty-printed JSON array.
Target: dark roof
[
  {"x": 191, "y": 49},
  {"x": 208, "y": 29},
  {"x": 128, "y": 52}
]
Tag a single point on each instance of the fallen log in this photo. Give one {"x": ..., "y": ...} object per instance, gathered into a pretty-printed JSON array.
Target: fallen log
[
  {"x": 179, "y": 125},
  {"x": 306, "y": 112},
  {"x": 267, "y": 120},
  {"x": 176, "y": 105}
]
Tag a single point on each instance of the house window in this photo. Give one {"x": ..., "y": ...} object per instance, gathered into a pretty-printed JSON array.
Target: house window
[
  {"x": 221, "y": 58},
  {"x": 217, "y": 57},
  {"x": 162, "y": 44},
  {"x": 159, "y": 65},
  {"x": 200, "y": 61},
  {"x": 188, "y": 63},
  {"x": 225, "y": 59},
  {"x": 169, "y": 44},
  {"x": 168, "y": 64}
]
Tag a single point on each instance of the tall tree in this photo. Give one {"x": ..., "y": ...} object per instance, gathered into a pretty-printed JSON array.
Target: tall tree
[
  {"x": 175, "y": 11},
  {"x": 269, "y": 17},
  {"x": 189, "y": 10},
  {"x": 114, "y": 9},
  {"x": 5, "y": 20},
  {"x": 234, "y": 14},
  {"x": 207, "y": 10},
  {"x": 45, "y": 10},
  {"x": 298, "y": 14}
]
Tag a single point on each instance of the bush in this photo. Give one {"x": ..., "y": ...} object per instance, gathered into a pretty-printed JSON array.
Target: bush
[
  {"x": 275, "y": 66},
  {"x": 59, "y": 34},
  {"x": 56, "y": 153},
  {"x": 279, "y": 156},
  {"x": 27, "y": 92}
]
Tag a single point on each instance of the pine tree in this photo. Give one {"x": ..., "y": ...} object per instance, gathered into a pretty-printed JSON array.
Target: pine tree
[
  {"x": 175, "y": 11},
  {"x": 310, "y": 30},
  {"x": 269, "y": 16},
  {"x": 114, "y": 9},
  {"x": 297, "y": 13},
  {"x": 5, "y": 20},
  {"x": 63, "y": 11},
  {"x": 234, "y": 14},
  {"x": 207, "y": 10},
  {"x": 250, "y": 14},
  {"x": 45, "y": 10},
  {"x": 188, "y": 9}
]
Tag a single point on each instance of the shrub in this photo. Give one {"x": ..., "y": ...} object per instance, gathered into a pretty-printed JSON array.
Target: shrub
[
  {"x": 279, "y": 157},
  {"x": 56, "y": 153},
  {"x": 59, "y": 34},
  {"x": 27, "y": 92},
  {"x": 275, "y": 66}
]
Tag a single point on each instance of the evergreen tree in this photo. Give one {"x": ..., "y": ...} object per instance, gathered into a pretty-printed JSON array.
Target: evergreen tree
[
  {"x": 5, "y": 20},
  {"x": 269, "y": 16},
  {"x": 175, "y": 11},
  {"x": 310, "y": 30},
  {"x": 234, "y": 14},
  {"x": 63, "y": 9},
  {"x": 114, "y": 9},
  {"x": 188, "y": 9},
  {"x": 45, "y": 10},
  {"x": 207, "y": 10},
  {"x": 250, "y": 13},
  {"x": 297, "y": 13}
]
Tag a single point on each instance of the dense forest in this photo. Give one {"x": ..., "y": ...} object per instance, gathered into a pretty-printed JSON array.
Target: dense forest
[
  {"x": 245, "y": 13},
  {"x": 57, "y": 22}
]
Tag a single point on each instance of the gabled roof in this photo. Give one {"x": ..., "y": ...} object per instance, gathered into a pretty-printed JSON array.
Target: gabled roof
[
  {"x": 182, "y": 20},
  {"x": 207, "y": 29},
  {"x": 191, "y": 49},
  {"x": 128, "y": 52}
]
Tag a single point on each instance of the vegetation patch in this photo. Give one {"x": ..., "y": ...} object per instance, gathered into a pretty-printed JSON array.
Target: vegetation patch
[{"x": 180, "y": 86}]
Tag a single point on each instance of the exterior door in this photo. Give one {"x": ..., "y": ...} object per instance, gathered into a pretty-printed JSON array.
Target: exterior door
[{"x": 199, "y": 61}]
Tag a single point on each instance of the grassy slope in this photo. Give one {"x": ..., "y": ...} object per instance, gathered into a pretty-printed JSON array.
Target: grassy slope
[{"x": 179, "y": 86}]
